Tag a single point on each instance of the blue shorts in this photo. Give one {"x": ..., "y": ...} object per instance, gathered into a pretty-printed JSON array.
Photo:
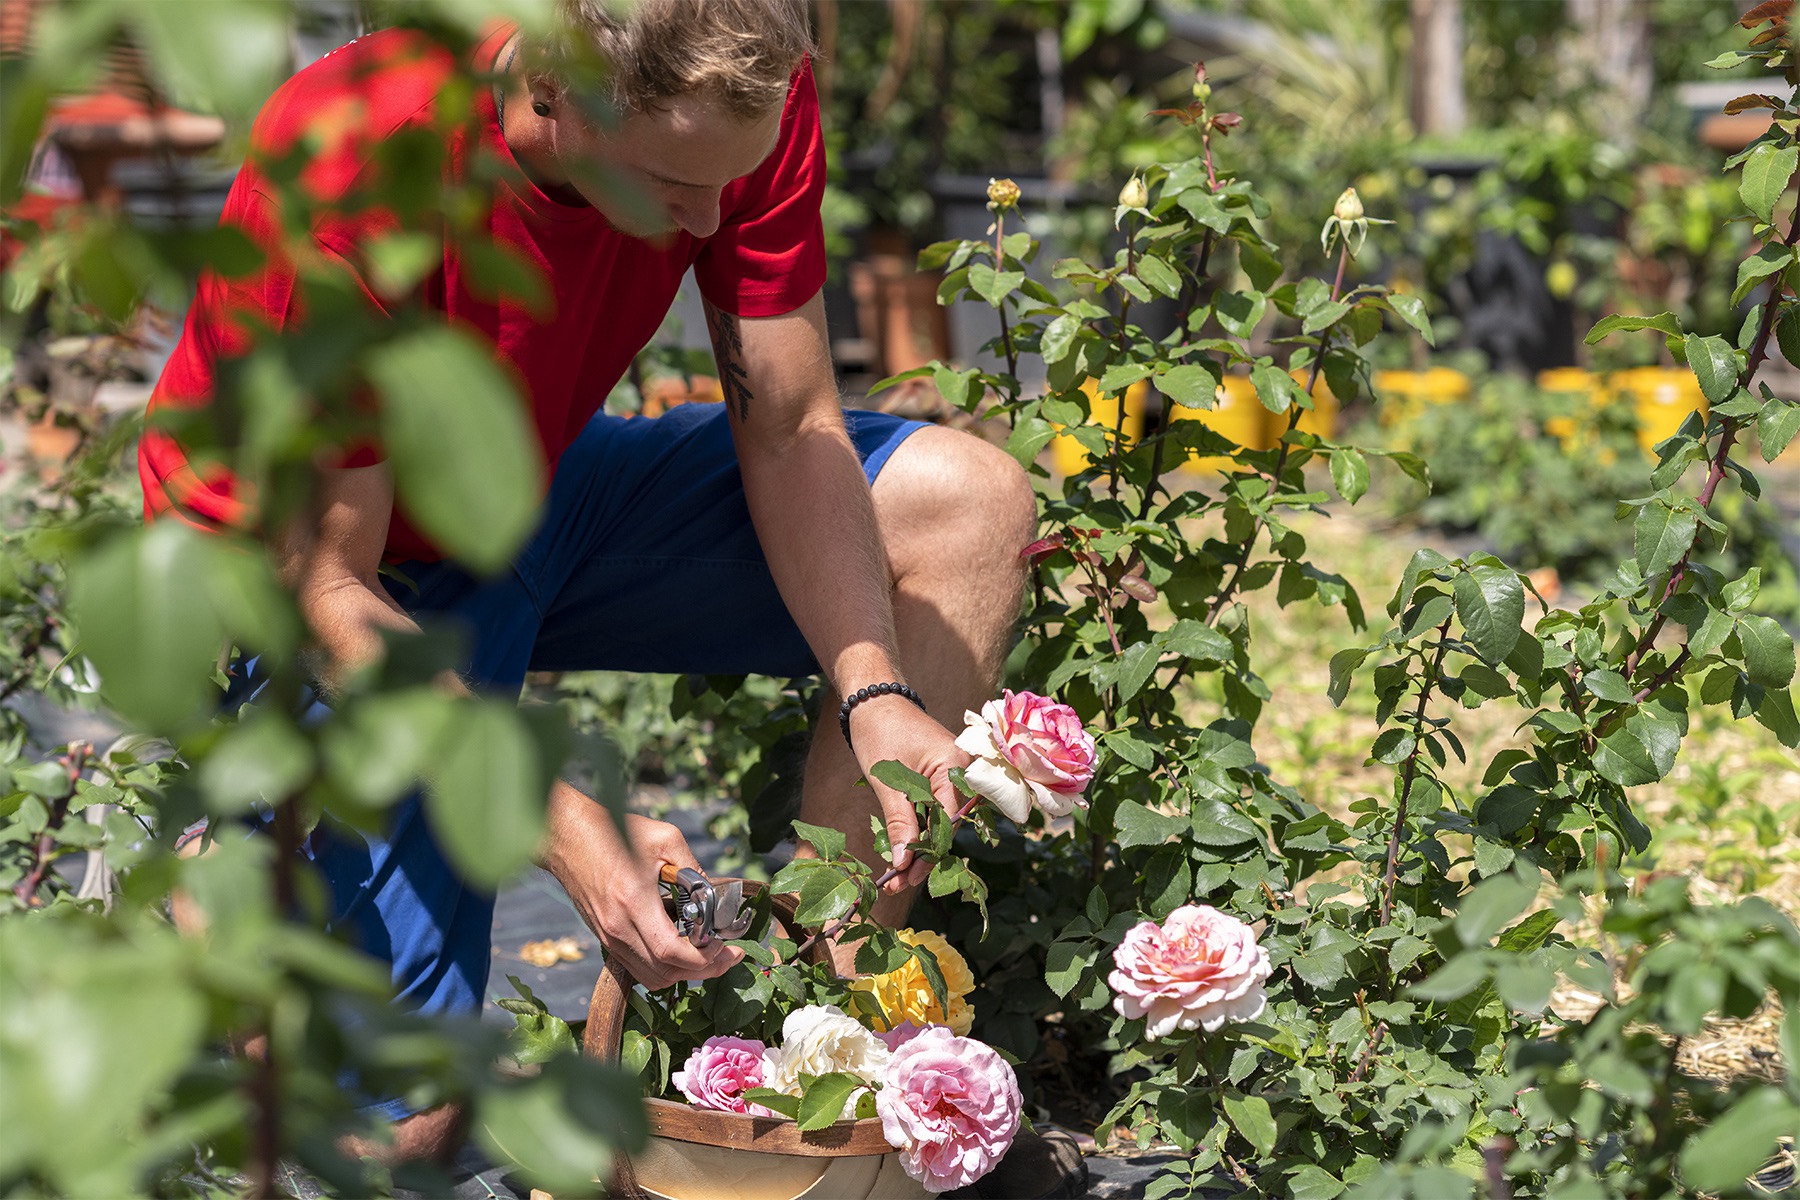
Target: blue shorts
[{"x": 645, "y": 560}]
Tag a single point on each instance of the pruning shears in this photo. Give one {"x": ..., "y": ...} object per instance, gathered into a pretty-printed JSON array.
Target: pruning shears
[{"x": 705, "y": 911}]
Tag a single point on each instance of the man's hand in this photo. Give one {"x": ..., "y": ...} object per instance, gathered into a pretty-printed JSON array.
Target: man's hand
[
  {"x": 616, "y": 891},
  {"x": 892, "y": 727}
]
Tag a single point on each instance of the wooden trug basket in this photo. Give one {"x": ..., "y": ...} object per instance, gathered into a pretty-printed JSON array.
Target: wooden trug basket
[{"x": 704, "y": 1154}]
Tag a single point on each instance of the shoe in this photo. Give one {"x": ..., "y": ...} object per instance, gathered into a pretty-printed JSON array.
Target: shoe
[{"x": 1042, "y": 1164}]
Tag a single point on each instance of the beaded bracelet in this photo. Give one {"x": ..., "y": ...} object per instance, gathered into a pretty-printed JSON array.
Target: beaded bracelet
[{"x": 860, "y": 694}]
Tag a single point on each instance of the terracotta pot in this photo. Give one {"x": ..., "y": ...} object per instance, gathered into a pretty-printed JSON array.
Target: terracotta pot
[{"x": 702, "y": 1154}]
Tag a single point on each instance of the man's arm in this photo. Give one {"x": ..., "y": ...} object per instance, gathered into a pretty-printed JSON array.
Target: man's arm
[
  {"x": 332, "y": 562},
  {"x": 811, "y": 505}
]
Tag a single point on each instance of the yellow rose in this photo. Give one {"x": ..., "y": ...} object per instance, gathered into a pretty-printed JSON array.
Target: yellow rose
[
  {"x": 1002, "y": 194},
  {"x": 906, "y": 995}
]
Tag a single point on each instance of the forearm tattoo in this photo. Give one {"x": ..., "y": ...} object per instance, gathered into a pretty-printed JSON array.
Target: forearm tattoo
[{"x": 728, "y": 350}]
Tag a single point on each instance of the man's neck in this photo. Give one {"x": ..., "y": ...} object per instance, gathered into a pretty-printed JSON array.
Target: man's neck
[{"x": 527, "y": 135}]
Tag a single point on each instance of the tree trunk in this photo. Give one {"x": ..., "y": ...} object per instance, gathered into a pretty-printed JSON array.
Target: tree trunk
[
  {"x": 1438, "y": 106},
  {"x": 1612, "y": 43}
]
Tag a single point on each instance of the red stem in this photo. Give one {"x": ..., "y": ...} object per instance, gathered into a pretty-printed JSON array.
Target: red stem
[{"x": 25, "y": 891}]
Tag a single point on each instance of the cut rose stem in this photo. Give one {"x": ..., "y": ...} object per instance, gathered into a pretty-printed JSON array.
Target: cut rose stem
[{"x": 842, "y": 923}]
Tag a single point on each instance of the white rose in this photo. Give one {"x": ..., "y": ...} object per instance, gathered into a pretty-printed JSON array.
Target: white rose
[{"x": 822, "y": 1038}]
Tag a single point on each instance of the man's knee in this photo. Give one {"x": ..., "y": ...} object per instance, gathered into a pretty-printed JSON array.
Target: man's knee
[
  {"x": 434, "y": 1135},
  {"x": 943, "y": 482}
]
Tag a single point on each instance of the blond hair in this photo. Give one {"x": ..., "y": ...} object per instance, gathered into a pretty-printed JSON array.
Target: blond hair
[{"x": 741, "y": 52}]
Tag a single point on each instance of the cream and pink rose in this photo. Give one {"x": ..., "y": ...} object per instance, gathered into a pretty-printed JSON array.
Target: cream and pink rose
[
  {"x": 721, "y": 1070},
  {"x": 1197, "y": 970},
  {"x": 1028, "y": 750},
  {"x": 950, "y": 1105}
]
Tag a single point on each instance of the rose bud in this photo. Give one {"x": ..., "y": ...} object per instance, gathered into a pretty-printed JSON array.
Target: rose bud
[
  {"x": 1349, "y": 206},
  {"x": 1134, "y": 194},
  {"x": 1002, "y": 194}
]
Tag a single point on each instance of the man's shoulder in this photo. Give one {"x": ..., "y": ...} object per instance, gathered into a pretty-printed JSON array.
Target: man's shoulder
[{"x": 340, "y": 107}]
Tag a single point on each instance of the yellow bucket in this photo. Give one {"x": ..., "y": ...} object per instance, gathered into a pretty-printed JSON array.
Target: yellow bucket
[
  {"x": 1662, "y": 398},
  {"x": 1236, "y": 414},
  {"x": 1403, "y": 394},
  {"x": 1589, "y": 390},
  {"x": 1070, "y": 457}
]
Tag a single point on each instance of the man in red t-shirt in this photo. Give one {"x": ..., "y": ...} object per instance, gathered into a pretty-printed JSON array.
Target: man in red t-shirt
[{"x": 773, "y": 533}]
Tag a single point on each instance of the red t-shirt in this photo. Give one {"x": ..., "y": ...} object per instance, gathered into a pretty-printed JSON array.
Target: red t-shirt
[{"x": 610, "y": 292}]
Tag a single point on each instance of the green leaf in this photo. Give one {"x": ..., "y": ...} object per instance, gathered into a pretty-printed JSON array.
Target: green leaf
[
  {"x": 1251, "y": 1116},
  {"x": 1190, "y": 385},
  {"x": 466, "y": 463},
  {"x": 1765, "y": 177},
  {"x": 378, "y": 747},
  {"x": 1139, "y": 826},
  {"x": 1262, "y": 267},
  {"x": 487, "y": 792},
  {"x": 1715, "y": 365},
  {"x": 1130, "y": 671},
  {"x": 562, "y": 1126},
  {"x": 1274, "y": 387},
  {"x": 1490, "y": 603},
  {"x": 826, "y": 1097},
  {"x": 830, "y": 842},
  {"x": 139, "y": 602},
  {"x": 1159, "y": 275},
  {"x": 994, "y": 286},
  {"x": 1312, "y": 1183},
  {"x": 825, "y": 896},
  {"x": 1772, "y": 259},
  {"x": 1411, "y": 309},
  {"x": 1662, "y": 535},
  {"x": 1239, "y": 313},
  {"x": 1608, "y": 685},
  {"x": 1028, "y": 439},
  {"x": 1197, "y": 640},
  {"x": 1064, "y": 963},
  {"x": 1203, "y": 207},
  {"x": 1215, "y": 824},
  {"x": 781, "y": 1102},
  {"x": 1662, "y": 322},
  {"x": 264, "y": 759},
  {"x": 1721, "y": 1156},
  {"x": 1768, "y": 651},
  {"x": 1349, "y": 473},
  {"x": 1455, "y": 979},
  {"x": 1776, "y": 426},
  {"x": 1059, "y": 338},
  {"x": 1488, "y": 907},
  {"x": 1343, "y": 669},
  {"x": 1787, "y": 334},
  {"x": 1638, "y": 752}
]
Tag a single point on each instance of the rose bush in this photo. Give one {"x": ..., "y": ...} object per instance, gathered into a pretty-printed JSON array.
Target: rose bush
[{"x": 1197, "y": 970}]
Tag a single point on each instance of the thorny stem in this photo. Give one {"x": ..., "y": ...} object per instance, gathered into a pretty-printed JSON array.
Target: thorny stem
[
  {"x": 1715, "y": 474},
  {"x": 1367, "y": 1058},
  {"x": 1118, "y": 446},
  {"x": 1312, "y": 378},
  {"x": 1391, "y": 871},
  {"x": 842, "y": 923},
  {"x": 1012, "y": 355},
  {"x": 25, "y": 891}
]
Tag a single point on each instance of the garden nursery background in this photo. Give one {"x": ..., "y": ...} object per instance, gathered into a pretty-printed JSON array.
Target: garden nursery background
[{"x": 1410, "y": 393}]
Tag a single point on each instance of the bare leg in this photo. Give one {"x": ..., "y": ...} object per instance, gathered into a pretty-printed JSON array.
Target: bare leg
[{"x": 954, "y": 512}]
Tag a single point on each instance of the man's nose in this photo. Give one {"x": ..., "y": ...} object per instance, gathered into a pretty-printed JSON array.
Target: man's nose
[{"x": 699, "y": 216}]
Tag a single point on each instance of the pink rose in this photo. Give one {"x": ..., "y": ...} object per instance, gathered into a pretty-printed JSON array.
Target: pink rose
[
  {"x": 903, "y": 1033},
  {"x": 1198, "y": 969},
  {"x": 1027, "y": 749},
  {"x": 950, "y": 1105},
  {"x": 719, "y": 1073}
]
